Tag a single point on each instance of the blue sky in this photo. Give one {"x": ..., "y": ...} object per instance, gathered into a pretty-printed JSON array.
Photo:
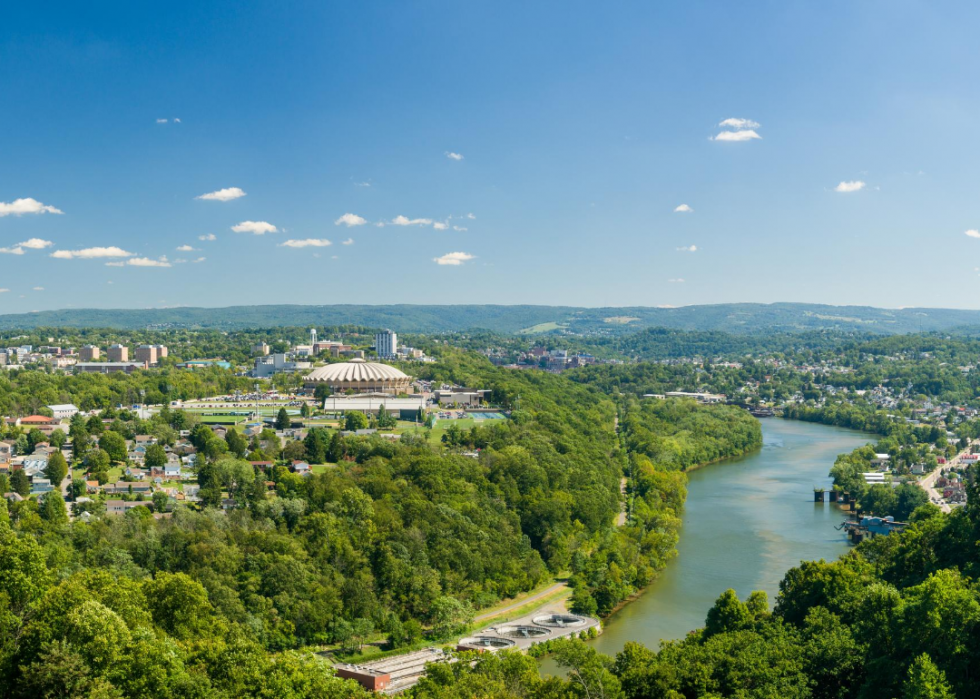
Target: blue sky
[{"x": 580, "y": 127}]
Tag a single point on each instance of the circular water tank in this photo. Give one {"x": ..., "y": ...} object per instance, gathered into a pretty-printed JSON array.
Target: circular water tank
[
  {"x": 529, "y": 632},
  {"x": 561, "y": 621},
  {"x": 488, "y": 642}
]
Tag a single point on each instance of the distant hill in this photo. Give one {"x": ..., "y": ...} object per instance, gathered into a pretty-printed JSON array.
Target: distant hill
[{"x": 729, "y": 317}]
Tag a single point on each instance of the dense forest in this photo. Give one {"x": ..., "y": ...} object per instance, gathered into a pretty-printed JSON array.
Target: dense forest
[{"x": 897, "y": 617}]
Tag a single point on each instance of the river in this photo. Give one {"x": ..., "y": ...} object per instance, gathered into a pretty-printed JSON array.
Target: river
[{"x": 746, "y": 522}]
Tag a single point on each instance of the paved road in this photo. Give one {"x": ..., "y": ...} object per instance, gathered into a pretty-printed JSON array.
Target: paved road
[
  {"x": 929, "y": 485},
  {"x": 516, "y": 605}
]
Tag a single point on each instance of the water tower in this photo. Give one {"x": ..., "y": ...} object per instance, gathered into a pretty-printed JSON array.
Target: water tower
[{"x": 312, "y": 336}]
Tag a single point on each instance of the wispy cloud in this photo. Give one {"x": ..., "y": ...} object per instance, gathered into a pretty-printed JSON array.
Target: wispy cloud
[
  {"x": 365, "y": 183},
  {"x": 162, "y": 121},
  {"x": 207, "y": 236},
  {"x": 454, "y": 258},
  {"x": 470, "y": 216},
  {"x": 256, "y": 227},
  {"x": 226, "y": 194},
  {"x": 683, "y": 209},
  {"x": 30, "y": 244},
  {"x": 454, "y": 156},
  {"x": 747, "y": 135},
  {"x": 350, "y": 220},
  {"x": 91, "y": 253},
  {"x": 307, "y": 243},
  {"x": 734, "y": 123},
  {"x": 4, "y": 291},
  {"x": 27, "y": 205},
  {"x": 676, "y": 281},
  {"x": 115, "y": 264},
  {"x": 185, "y": 248},
  {"x": 12, "y": 251},
  {"x": 148, "y": 262},
  {"x": 38, "y": 288},
  {"x": 405, "y": 221},
  {"x": 848, "y": 187},
  {"x": 199, "y": 260},
  {"x": 973, "y": 233},
  {"x": 349, "y": 241},
  {"x": 460, "y": 228},
  {"x": 440, "y": 226},
  {"x": 688, "y": 248}
]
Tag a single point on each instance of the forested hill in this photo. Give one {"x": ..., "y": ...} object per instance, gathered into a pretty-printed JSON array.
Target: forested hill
[{"x": 733, "y": 317}]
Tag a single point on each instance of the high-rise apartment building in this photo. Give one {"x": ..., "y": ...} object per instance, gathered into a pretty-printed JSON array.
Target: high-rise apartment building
[{"x": 386, "y": 343}]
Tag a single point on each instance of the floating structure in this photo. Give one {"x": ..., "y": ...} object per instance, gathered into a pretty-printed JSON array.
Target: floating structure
[{"x": 871, "y": 526}]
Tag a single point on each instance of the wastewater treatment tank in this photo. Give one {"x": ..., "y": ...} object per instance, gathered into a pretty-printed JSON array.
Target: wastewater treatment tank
[
  {"x": 491, "y": 643},
  {"x": 560, "y": 621},
  {"x": 524, "y": 632}
]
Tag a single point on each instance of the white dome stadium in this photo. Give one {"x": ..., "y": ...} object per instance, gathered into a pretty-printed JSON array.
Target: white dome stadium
[{"x": 360, "y": 376}]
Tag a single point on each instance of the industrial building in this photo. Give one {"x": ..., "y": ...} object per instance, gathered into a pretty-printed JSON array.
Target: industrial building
[{"x": 405, "y": 407}]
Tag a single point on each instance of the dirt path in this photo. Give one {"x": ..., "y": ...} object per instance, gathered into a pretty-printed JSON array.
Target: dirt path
[{"x": 516, "y": 605}]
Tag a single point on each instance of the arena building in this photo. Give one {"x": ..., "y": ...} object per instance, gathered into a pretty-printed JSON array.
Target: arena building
[{"x": 360, "y": 376}]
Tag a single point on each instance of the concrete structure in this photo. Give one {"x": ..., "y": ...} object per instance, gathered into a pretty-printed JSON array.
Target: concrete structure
[
  {"x": 147, "y": 353},
  {"x": 162, "y": 351},
  {"x": 261, "y": 349},
  {"x": 395, "y": 674},
  {"x": 361, "y": 377},
  {"x": 386, "y": 344},
  {"x": 463, "y": 397},
  {"x": 118, "y": 353},
  {"x": 277, "y": 364},
  {"x": 108, "y": 367},
  {"x": 89, "y": 353},
  {"x": 406, "y": 408},
  {"x": 63, "y": 412}
]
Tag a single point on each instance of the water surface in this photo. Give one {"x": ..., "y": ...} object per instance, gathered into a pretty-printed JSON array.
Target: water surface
[{"x": 746, "y": 522}]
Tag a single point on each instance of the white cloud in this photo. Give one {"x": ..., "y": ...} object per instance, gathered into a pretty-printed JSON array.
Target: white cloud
[
  {"x": 746, "y": 135},
  {"x": 453, "y": 258},
  {"x": 440, "y": 226},
  {"x": 186, "y": 248},
  {"x": 179, "y": 261},
  {"x": 973, "y": 233},
  {"x": 307, "y": 243},
  {"x": 256, "y": 227},
  {"x": 199, "y": 260},
  {"x": 688, "y": 248},
  {"x": 349, "y": 241},
  {"x": 207, "y": 236},
  {"x": 740, "y": 123},
  {"x": 91, "y": 253},
  {"x": 35, "y": 244},
  {"x": 161, "y": 121},
  {"x": 19, "y": 207},
  {"x": 350, "y": 220},
  {"x": 38, "y": 288},
  {"x": 115, "y": 264},
  {"x": 362, "y": 184},
  {"x": 12, "y": 251},
  {"x": 226, "y": 194},
  {"x": 147, "y": 262},
  {"x": 4, "y": 291},
  {"x": 176, "y": 121},
  {"x": 454, "y": 156},
  {"x": 683, "y": 209},
  {"x": 847, "y": 187},
  {"x": 676, "y": 281},
  {"x": 470, "y": 216},
  {"x": 460, "y": 228},
  {"x": 405, "y": 221}
]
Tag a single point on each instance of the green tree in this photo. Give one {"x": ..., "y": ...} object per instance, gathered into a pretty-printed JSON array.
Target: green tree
[
  {"x": 355, "y": 421},
  {"x": 282, "y": 419},
  {"x": 179, "y": 605},
  {"x": 53, "y": 509},
  {"x": 20, "y": 483},
  {"x": 114, "y": 444},
  {"x": 155, "y": 457},
  {"x": 57, "y": 469},
  {"x": 729, "y": 613},
  {"x": 926, "y": 681},
  {"x": 237, "y": 444}
]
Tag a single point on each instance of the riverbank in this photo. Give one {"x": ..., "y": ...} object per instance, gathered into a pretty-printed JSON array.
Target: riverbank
[{"x": 746, "y": 521}]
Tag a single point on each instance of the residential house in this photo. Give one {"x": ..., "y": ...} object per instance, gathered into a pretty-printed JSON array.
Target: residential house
[
  {"x": 120, "y": 507},
  {"x": 301, "y": 467}
]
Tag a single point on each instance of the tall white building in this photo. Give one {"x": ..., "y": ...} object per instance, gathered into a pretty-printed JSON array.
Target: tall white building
[{"x": 386, "y": 343}]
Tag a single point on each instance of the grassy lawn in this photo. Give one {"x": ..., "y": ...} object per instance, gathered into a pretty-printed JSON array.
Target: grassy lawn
[
  {"x": 541, "y": 328},
  {"x": 115, "y": 473},
  {"x": 442, "y": 425}
]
